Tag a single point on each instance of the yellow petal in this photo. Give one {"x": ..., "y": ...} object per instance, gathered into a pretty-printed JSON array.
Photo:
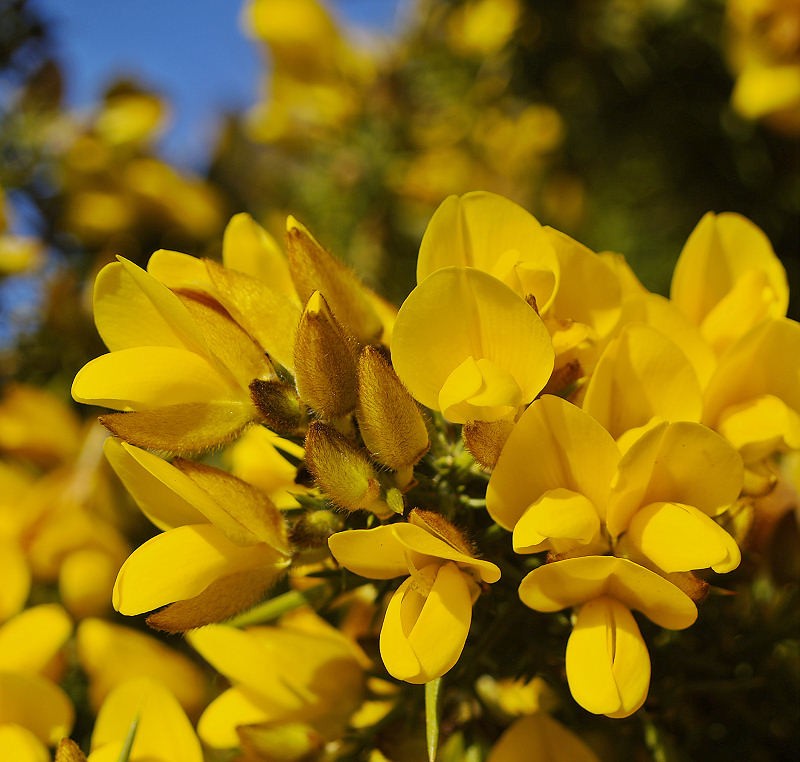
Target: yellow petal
[
  {"x": 572, "y": 452},
  {"x": 420, "y": 541},
  {"x": 491, "y": 233},
  {"x": 608, "y": 667},
  {"x": 16, "y": 576},
  {"x": 140, "y": 378},
  {"x": 180, "y": 564},
  {"x": 764, "y": 361},
  {"x": 180, "y": 271},
  {"x": 154, "y": 485},
  {"x": 250, "y": 249},
  {"x": 182, "y": 429},
  {"x": 560, "y": 519},
  {"x": 32, "y": 639},
  {"x": 37, "y": 704},
  {"x": 268, "y": 315},
  {"x": 561, "y": 584},
  {"x": 589, "y": 291},
  {"x": 86, "y": 579},
  {"x": 761, "y": 426},
  {"x": 374, "y": 553},
  {"x": 540, "y": 738},
  {"x": 479, "y": 390},
  {"x": 133, "y": 309},
  {"x": 640, "y": 375},
  {"x": 720, "y": 251},
  {"x": 163, "y": 731},
  {"x": 19, "y": 744},
  {"x": 680, "y": 538},
  {"x": 475, "y": 316},
  {"x": 678, "y": 462},
  {"x": 111, "y": 654},
  {"x": 233, "y": 707},
  {"x": 441, "y": 627}
]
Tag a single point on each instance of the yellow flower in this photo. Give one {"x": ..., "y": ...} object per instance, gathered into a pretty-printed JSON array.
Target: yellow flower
[
  {"x": 429, "y": 615},
  {"x": 301, "y": 671},
  {"x": 183, "y": 366},
  {"x": 728, "y": 279},
  {"x": 471, "y": 366},
  {"x": 163, "y": 732},
  {"x": 608, "y": 667},
  {"x": 223, "y": 546}
]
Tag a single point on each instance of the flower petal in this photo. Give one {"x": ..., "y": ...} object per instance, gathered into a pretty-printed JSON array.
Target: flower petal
[
  {"x": 561, "y": 584},
  {"x": 32, "y": 639},
  {"x": 608, "y": 667},
  {"x": 640, "y": 375},
  {"x": 560, "y": 519},
  {"x": 140, "y": 378},
  {"x": 180, "y": 564},
  {"x": 679, "y": 538},
  {"x": 540, "y": 738},
  {"x": 553, "y": 445},
  {"x": 488, "y": 232},
  {"x": 37, "y": 704},
  {"x": 475, "y": 316},
  {"x": 679, "y": 462},
  {"x": 373, "y": 553}
]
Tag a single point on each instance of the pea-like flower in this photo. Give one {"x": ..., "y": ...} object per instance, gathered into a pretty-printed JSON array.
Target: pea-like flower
[{"x": 429, "y": 615}]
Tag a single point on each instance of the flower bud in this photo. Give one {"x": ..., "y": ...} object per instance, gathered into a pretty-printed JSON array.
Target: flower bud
[
  {"x": 314, "y": 269},
  {"x": 343, "y": 471},
  {"x": 485, "y": 440},
  {"x": 390, "y": 422},
  {"x": 325, "y": 369},
  {"x": 279, "y": 405}
]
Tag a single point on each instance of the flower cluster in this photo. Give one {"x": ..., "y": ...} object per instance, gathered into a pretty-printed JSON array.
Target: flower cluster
[{"x": 530, "y": 397}]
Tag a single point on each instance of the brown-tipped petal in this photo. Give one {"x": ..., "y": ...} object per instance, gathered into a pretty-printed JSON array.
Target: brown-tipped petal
[
  {"x": 325, "y": 367},
  {"x": 485, "y": 440},
  {"x": 181, "y": 429},
  {"x": 390, "y": 422},
  {"x": 280, "y": 407},
  {"x": 314, "y": 269},
  {"x": 221, "y": 600},
  {"x": 340, "y": 469}
]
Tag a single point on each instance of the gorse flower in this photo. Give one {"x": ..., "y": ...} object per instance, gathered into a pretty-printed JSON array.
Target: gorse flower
[{"x": 530, "y": 396}]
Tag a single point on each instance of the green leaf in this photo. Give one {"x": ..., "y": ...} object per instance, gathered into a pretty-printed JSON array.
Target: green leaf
[{"x": 432, "y": 716}]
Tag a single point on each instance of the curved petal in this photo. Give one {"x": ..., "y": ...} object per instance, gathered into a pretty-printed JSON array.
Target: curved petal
[
  {"x": 233, "y": 707},
  {"x": 372, "y": 553},
  {"x": 608, "y": 667},
  {"x": 553, "y": 445},
  {"x": 679, "y": 538},
  {"x": 163, "y": 731},
  {"x": 16, "y": 575},
  {"x": 149, "y": 480},
  {"x": 19, "y": 744},
  {"x": 180, "y": 564},
  {"x": 641, "y": 375},
  {"x": 679, "y": 462},
  {"x": 562, "y": 584},
  {"x": 418, "y": 540},
  {"x": 719, "y": 252},
  {"x": 133, "y": 309},
  {"x": 761, "y": 426},
  {"x": 491, "y": 233},
  {"x": 36, "y": 704},
  {"x": 180, "y": 271},
  {"x": 250, "y": 249},
  {"x": 33, "y": 638},
  {"x": 141, "y": 378},
  {"x": 540, "y": 738},
  {"x": 423, "y": 634},
  {"x": 560, "y": 519},
  {"x": 475, "y": 316}
]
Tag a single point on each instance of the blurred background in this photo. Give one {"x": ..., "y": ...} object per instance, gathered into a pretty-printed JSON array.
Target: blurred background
[{"x": 131, "y": 127}]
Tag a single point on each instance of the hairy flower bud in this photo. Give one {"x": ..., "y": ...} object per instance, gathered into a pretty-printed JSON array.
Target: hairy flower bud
[
  {"x": 279, "y": 405},
  {"x": 325, "y": 369},
  {"x": 391, "y": 424},
  {"x": 343, "y": 471}
]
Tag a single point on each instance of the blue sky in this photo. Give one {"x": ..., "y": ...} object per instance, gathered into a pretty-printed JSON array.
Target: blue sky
[{"x": 193, "y": 51}]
